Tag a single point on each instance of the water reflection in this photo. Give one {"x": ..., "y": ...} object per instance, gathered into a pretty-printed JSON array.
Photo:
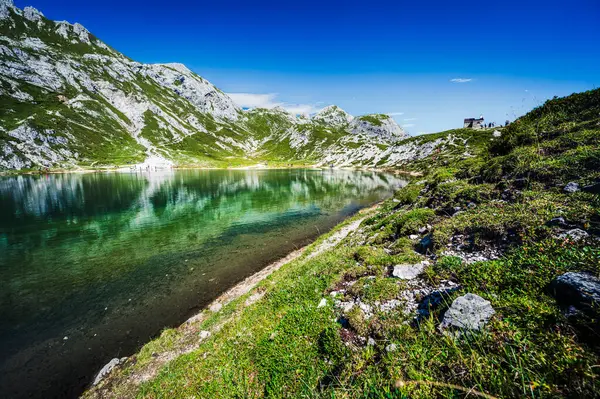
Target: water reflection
[{"x": 121, "y": 255}]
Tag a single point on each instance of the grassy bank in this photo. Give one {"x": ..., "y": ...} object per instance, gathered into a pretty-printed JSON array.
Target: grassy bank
[{"x": 334, "y": 322}]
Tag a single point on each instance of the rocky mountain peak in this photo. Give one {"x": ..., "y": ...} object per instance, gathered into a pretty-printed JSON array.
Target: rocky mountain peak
[
  {"x": 379, "y": 126},
  {"x": 5, "y": 5},
  {"x": 333, "y": 115},
  {"x": 32, "y": 14},
  {"x": 81, "y": 32},
  {"x": 178, "y": 67}
]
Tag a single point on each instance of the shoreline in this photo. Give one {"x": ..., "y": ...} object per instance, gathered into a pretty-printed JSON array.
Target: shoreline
[
  {"x": 252, "y": 167},
  {"x": 105, "y": 379}
]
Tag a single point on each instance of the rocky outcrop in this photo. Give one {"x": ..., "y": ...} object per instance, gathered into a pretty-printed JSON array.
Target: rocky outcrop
[
  {"x": 5, "y": 7},
  {"x": 333, "y": 115},
  {"x": 378, "y": 126}
]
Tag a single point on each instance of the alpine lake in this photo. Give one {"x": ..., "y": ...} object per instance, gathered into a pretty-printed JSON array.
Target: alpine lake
[{"x": 94, "y": 265}]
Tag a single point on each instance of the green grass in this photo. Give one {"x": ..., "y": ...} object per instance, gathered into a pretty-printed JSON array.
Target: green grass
[{"x": 283, "y": 345}]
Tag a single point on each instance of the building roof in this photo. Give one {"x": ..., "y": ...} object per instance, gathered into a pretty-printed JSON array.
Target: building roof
[{"x": 474, "y": 119}]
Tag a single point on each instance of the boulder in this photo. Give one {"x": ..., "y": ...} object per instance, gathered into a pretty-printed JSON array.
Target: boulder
[
  {"x": 407, "y": 271},
  {"x": 581, "y": 290},
  {"x": 571, "y": 187},
  {"x": 468, "y": 312}
]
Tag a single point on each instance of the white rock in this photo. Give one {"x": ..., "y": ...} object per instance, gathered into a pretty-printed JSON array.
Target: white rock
[
  {"x": 204, "y": 334},
  {"x": 322, "y": 303},
  {"x": 407, "y": 271}
]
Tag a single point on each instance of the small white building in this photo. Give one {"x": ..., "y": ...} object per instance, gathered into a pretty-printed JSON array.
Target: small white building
[{"x": 474, "y": 123}]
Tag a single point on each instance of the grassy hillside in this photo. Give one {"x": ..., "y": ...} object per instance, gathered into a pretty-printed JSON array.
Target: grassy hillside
[{"x": 483, "y": 224}]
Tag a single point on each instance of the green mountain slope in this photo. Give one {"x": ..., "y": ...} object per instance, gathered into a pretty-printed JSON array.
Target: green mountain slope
[
  {"x": 69, "y": 100},
  {"x": 339, "y": 321}
]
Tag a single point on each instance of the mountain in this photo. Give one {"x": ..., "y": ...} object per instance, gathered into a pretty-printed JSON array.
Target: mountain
[{"x": 71, "y": 101}]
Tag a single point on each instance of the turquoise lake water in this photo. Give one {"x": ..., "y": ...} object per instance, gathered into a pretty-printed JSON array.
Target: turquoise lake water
[{"x": 92, "y": 266}]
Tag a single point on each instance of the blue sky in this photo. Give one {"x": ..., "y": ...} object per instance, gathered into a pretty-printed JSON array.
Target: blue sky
[{"x": 396, "y": 57}]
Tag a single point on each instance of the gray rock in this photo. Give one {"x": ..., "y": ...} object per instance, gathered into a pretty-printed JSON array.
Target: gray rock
[
  {"x": 370, "y": 342},
  {"x": 469, "y": 312},
  {"x": 391, "y": 348},
  {"x": 407, "y": 271},
  {"x": 581, "y": 290},
  {"x": 575, "y": 235},
  {"x": 105, "y": 371},
  {"x": 572, "y": 187}
]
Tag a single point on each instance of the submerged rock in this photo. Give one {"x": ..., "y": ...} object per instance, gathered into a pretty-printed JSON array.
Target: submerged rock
[
  {"x": 581, "y": 290},
  {"x": 469, "y": 312}
]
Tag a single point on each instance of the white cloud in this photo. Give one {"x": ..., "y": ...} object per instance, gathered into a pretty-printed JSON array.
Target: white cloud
[
  {"x": 395, "y": 113},
  {"x": 409, "y": 119},
  {"x": 409, "y": 125},
  {"x": 269, "y": 100},
  {"x": 460, "y": 80}
]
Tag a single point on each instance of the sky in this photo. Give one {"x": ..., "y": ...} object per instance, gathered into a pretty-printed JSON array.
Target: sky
[{"x": 429, "y": 64}]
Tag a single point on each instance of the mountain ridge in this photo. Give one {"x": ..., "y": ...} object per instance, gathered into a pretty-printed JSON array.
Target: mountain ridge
[{"x": 70, "y": 101}]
